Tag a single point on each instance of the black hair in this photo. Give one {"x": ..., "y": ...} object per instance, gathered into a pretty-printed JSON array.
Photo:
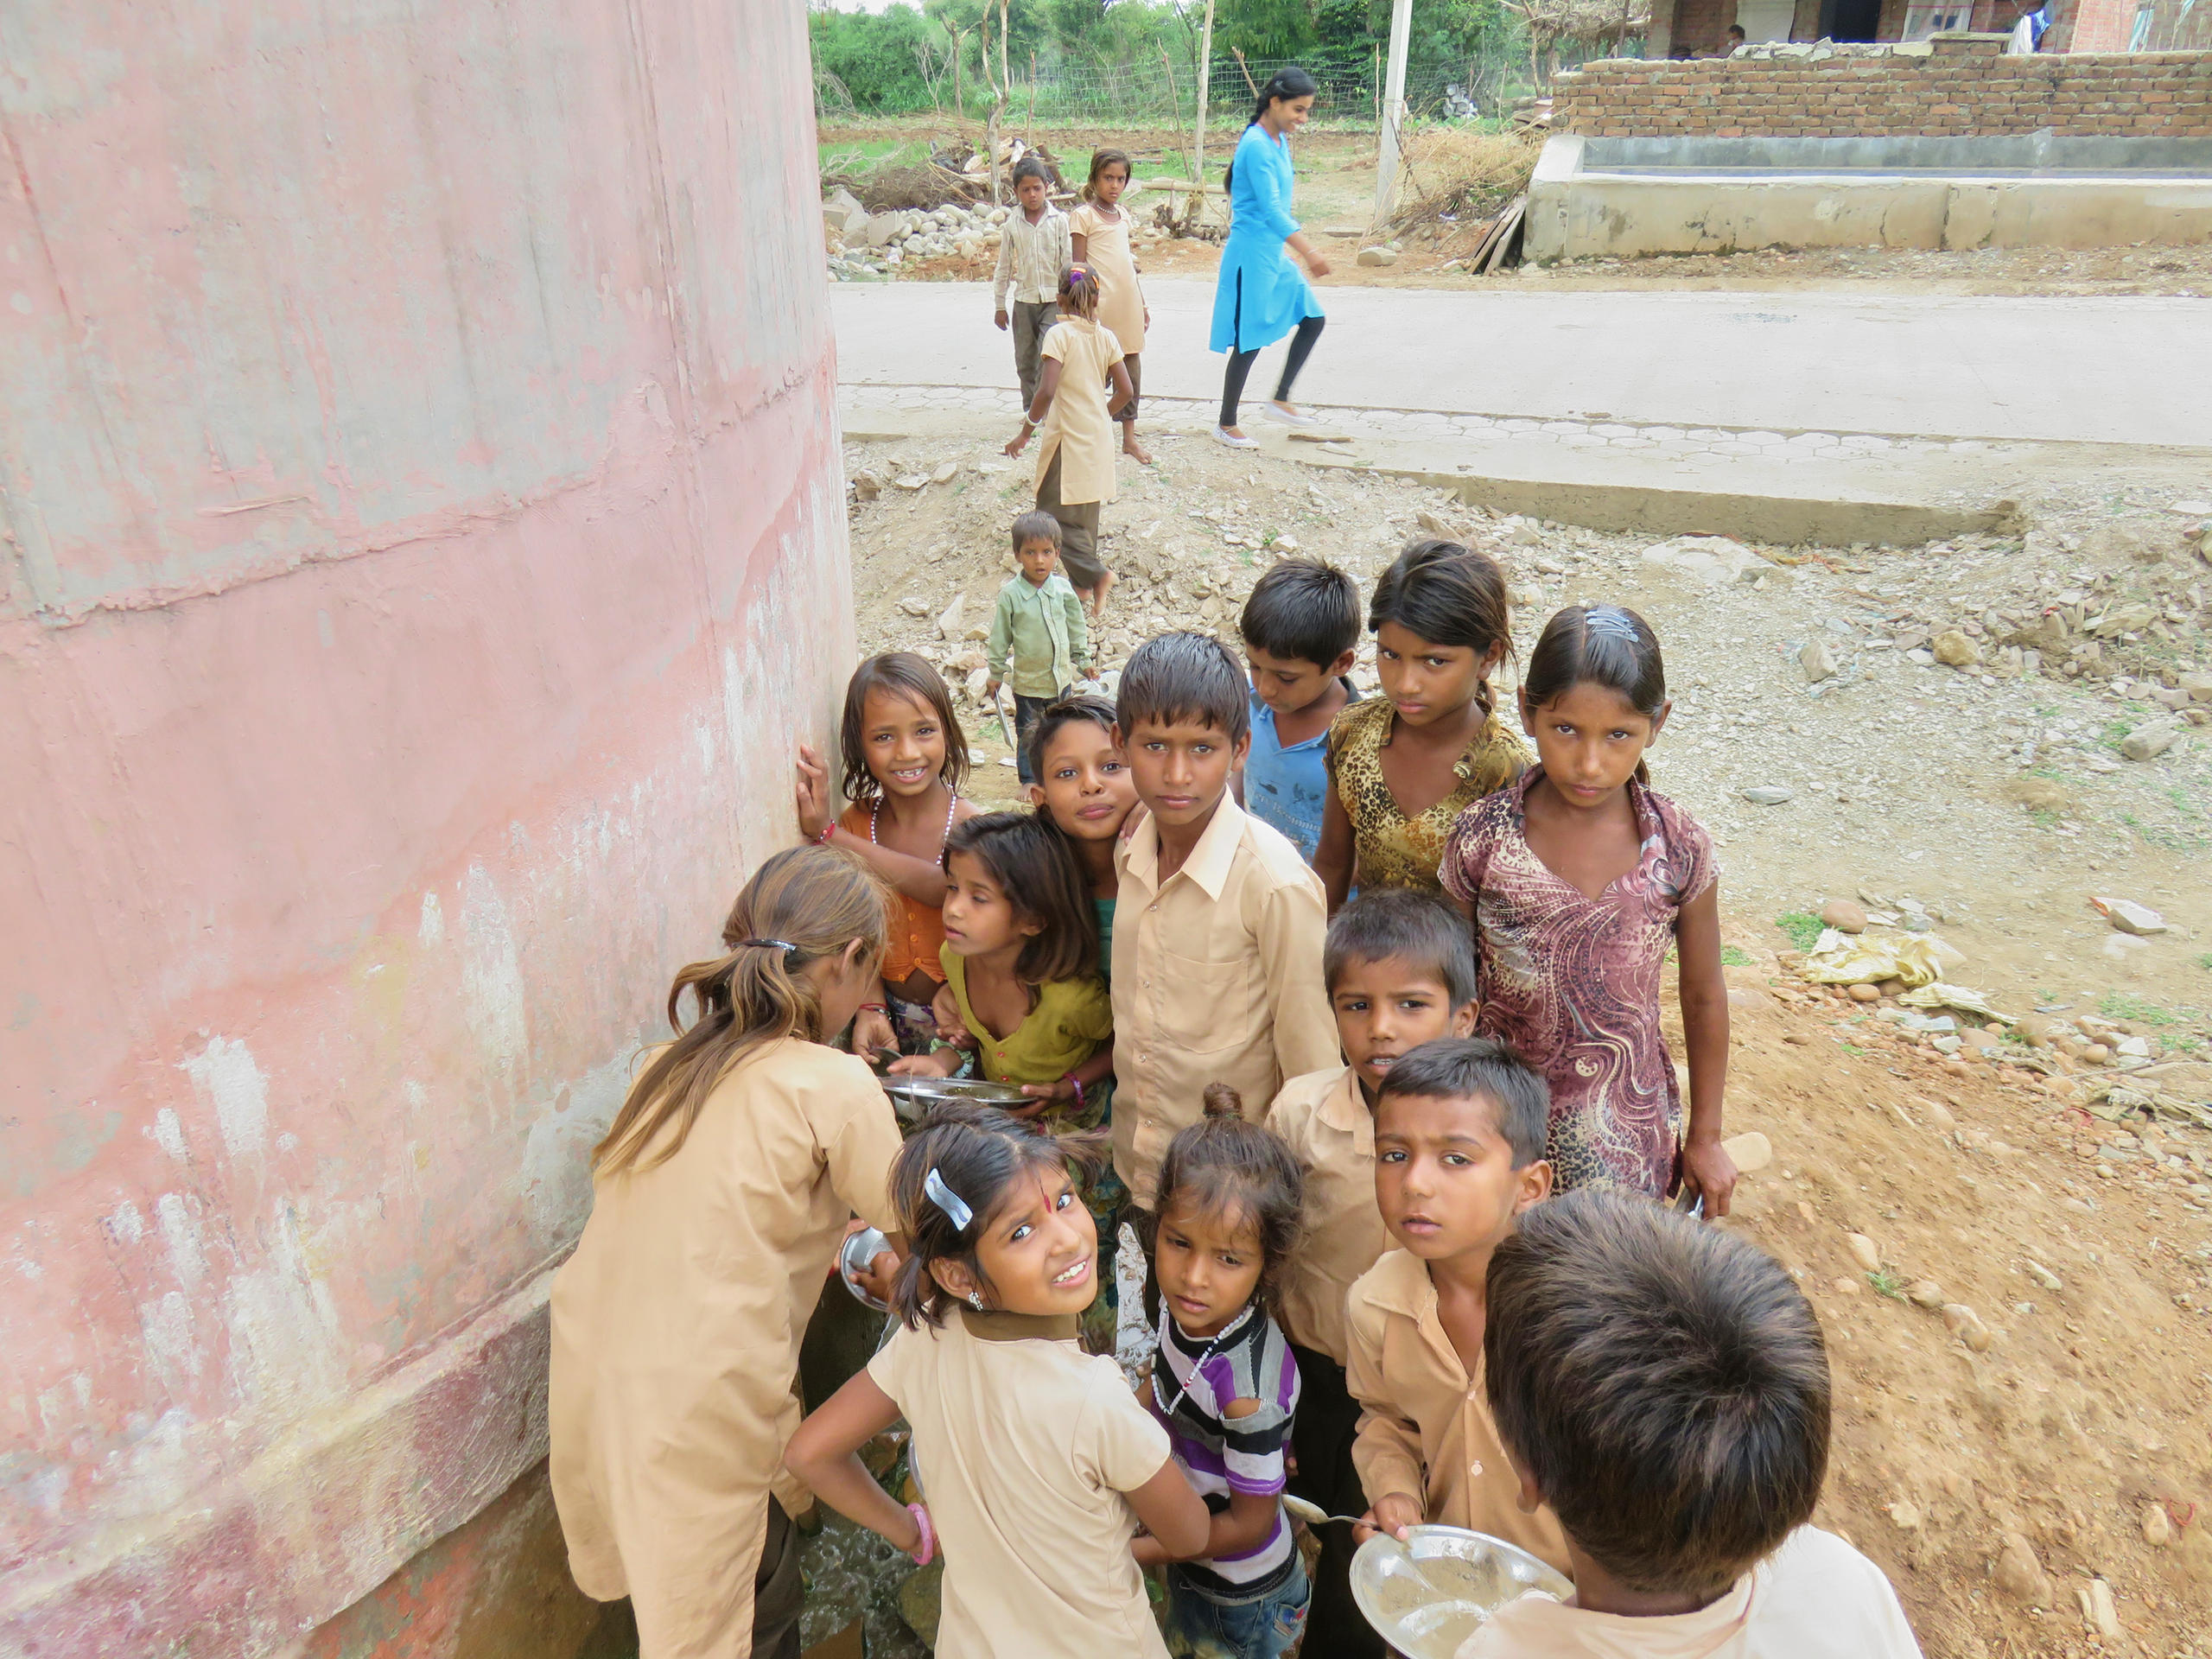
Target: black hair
[
  {"x": 978, "y": 1154},
  {"x": 1286, "y": 83},
  {"x": 899, "y": 674},
  {"x": 1477, "y": 1068},
  {"x": 1413, "y": 926},
  {"x": 1080, "y": 705},
  {"x": 1226, "y": 1166},
  {"x": 1033, "y": 865},
  {"x": 1035, "y": 525},
  {"x": 1100, "y": 161},
  {"x": 1598, "y": 644},
  {"x": 1078, "y": 291},
  {"x": 1302, "y": 608},
  {"x": 1664, "y": 1384},
  {"x": 1030, "y": 168},
  {"x": 1184, "y": 676},
  {"x": 1447, "y": 594}
]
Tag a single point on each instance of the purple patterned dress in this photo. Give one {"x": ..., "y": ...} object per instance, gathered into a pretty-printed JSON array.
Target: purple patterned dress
[{"x": 1572, "y": 982}]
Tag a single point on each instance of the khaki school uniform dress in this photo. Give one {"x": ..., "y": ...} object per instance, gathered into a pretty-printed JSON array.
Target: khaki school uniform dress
[
  {"x": 1815, "y": 1598},
  {"x": 1424, "y": 1427},
  {"x": 676, "y": 1335},
  {"x": 1076, "y": 444},
  {"x": 1023, "y": 1448},
  {"x": 1121, "y": 296},
  {"x": 1217, "y": 979},
  {"x": 1324, "y": 1119}
]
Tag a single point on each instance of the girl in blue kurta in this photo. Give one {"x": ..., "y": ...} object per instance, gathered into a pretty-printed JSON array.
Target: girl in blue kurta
[{"x": 1259, "y": 297}]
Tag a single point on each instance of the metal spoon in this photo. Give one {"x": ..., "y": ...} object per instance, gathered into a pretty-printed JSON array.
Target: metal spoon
[{"x": 1312, "y": 1514}]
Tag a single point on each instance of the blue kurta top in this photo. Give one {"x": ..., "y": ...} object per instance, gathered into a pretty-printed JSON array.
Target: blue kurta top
[{"x": 1258, "y": 296}]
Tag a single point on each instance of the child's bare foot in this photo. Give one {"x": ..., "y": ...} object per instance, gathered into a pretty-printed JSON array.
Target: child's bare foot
[
  {"x": 1133, "y": 449},
  {"x": 1105, "y": 587}
]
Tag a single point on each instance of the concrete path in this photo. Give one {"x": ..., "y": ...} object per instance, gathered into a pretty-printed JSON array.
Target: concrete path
[{"x": 2107, "y": 370}]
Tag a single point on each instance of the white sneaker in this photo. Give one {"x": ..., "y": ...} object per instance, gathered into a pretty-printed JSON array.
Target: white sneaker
[
  {"x": 1288, "y": 417},
  {"x": 1223, "y": 434}
]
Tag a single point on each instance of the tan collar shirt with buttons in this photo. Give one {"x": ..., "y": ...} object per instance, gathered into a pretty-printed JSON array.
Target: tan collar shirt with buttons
[
  {"x": 1323, "y": 1118},
  {"x": 1424, "y": 1427},
  {"x": 1217, "y": 979}
]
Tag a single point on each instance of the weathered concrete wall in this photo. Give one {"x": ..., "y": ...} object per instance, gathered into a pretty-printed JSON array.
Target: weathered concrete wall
[{"x": 424, "y": 542}]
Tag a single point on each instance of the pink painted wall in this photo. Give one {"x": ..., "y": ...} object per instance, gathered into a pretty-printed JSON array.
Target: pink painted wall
[{"x": 423, "y": 541}]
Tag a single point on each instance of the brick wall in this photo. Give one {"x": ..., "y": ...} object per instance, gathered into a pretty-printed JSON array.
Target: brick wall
[{"x": 1963, "y": 87}]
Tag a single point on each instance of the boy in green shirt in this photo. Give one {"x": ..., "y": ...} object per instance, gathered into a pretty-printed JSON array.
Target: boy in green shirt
[{"x": 1038, "y": 640}]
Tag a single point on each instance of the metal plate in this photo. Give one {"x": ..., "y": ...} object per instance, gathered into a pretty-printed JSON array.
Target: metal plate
[
  {"x": 1427, "y": 1596},
  {"x": 912, "y": 1097},
  {"x": 859, "y": 1250}
]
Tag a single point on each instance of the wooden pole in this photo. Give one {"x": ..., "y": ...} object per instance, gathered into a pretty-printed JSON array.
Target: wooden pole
[
  {"x": 1394, "y": 110},
  {"x": 1199, "y": 135}
]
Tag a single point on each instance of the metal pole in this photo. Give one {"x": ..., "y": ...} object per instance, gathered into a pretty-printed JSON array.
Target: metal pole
[
  {"x": 1199, "y": 137},
  {"x": 1394, "y": 110}
]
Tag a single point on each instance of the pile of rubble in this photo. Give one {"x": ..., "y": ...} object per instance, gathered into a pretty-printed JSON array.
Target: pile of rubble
[{"x": 868, "y": 247}]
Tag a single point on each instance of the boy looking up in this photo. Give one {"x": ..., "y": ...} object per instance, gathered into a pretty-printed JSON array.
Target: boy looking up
[
  {"x": 1217, "y": 928},
  {"x": 1664, "y": 1389},
  {"x": 1400, "y": 969},
  {"x": 1038, "y": 633},
  {"x": 1300, "y": 628},
  {"x": 1458, "y": 1159},
  {"x": 1034, "y": 250}
]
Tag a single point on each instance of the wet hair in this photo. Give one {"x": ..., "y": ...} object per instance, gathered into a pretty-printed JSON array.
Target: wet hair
[
  {"x": 1225, "y": 1167},
  {"x": 898, "y": 674},
  {"x": 1033, "y": 865},
  {"x": 1598, "y": 644},
  {"x": 1079, "y": 291},
  {"x": 1664, "y": 1384},
  {"x": 1100, "y": 161},
  {"x": 1412, "y": 927},
  {"x": 978, "y": 1154},
  {"x": 1287, "y": 83},
  {"x": 1080, "y": 705},
  {"x": 1477, "y": 1068},
  {"x": 1302, "y": 608},
  {"x": 802, "y": 905},
  {"x": 1030, "y": 168},
  {"x": 1179, "y": 676},
  {"x": 1449, "y": 595},
  {"x": 1035, "y": 526}
]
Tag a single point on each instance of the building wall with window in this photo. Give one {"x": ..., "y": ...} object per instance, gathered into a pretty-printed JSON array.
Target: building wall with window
[{"x": 421, "y": 543}]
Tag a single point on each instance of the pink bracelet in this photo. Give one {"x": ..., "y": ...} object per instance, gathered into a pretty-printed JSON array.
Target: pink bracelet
[
  {"x": 927, "y": 1552},
  {"x": 828, "y": 831},
  {"x": 1076, "y": 1083}
]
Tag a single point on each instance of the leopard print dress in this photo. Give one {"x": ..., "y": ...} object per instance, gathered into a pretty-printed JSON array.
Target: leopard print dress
[{"x": 1396, "y": 850}]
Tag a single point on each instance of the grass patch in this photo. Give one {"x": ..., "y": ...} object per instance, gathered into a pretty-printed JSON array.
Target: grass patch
[
  {"x": 1734, "y": 955},
  {"x": 1804, "y": 931},
  {"x": 2205, "y": 962},
  {"x": 2120, "y": 1005},
  {"x": 1887, "y": 1281},
  {"x": 2042, "y": 818}
]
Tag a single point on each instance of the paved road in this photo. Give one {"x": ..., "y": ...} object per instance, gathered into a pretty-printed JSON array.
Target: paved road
[{"x": 2119, "y": 370}]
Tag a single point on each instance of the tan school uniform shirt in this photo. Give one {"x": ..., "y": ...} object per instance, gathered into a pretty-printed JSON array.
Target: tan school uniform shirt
[
  {"x": 1107, "y": 251},
  {"x": 1077, "y": 426},
  {"x": 1815, "y": 1598},
  {"x": 1425, "y": 1428},
  {"x": 1023, "y": 1448},
  {"x": 1217, "y": 979},
  {"x": 1324, "y": 1119},
  {"x": 676, "y": 1333}
]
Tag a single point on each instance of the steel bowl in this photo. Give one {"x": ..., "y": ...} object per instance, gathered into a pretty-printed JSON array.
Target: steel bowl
[
  {"x": 858, "y": 1250},
  {"x": 913, "y": 1097},
  {"x": 1427, "y": 1596}
]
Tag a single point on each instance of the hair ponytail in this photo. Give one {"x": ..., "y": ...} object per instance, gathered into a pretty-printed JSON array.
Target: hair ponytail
[
  {"x": 1078, "y": 291},
  {"x": 1288, "y": 82},
  {"x": 1225, "y": 1165},
  {"x": 803, "y": 905}
]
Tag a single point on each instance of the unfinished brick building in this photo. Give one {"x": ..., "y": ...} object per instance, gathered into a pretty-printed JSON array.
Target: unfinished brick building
[{"x": 1683, "y": 28}]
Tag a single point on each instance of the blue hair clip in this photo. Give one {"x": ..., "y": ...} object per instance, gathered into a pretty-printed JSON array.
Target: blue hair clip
[
  {"x": 955, "y": 1207},
  {"x": 1609, "y": 619}
]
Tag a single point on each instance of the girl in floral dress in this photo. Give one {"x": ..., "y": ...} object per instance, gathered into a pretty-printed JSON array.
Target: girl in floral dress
[{"x": 1579, "y": 878}]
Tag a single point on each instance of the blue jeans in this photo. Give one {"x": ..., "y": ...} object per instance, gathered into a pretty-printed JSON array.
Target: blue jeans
[{"x": 1201, "y": 1628}]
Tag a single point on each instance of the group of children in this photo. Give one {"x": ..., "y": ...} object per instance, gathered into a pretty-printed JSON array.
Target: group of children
[{"x": 1367, "y": 1002}]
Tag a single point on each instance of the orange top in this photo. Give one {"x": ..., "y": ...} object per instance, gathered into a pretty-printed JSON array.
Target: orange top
[{"x": 917, "y": 933}]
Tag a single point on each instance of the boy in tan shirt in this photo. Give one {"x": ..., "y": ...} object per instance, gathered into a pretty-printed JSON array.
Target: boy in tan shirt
[
  {"x": 1458, "y": 1159},
  {"x": 1665, "y": 1389},
  {"x": 1400, "y": 969},
  {"x": 1218, "y": 924}
]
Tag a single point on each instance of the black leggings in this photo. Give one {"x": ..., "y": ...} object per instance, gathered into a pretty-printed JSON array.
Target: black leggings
[{"x": 1240, "y": 365}]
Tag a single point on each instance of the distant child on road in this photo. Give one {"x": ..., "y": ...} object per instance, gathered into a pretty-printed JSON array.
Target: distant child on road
[
  {"x": 1037, "y": 636},
  {"x": 1075, "y": 453},
  {"x": 1100, "y": 232},
  {"x": 1034, "y": 250},
  {"x": 1299, "y": 626}
]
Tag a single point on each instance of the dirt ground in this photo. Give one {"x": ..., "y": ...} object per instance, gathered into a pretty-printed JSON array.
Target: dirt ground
[
  {"x": 1336, "y": 197},
  {"x": 1997, "y": 1483}
]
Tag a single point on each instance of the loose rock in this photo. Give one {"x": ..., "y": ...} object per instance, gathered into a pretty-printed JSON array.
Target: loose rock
[
  {"x": 2098, "y": 1615},
  {"x": 1378, "y": 256},
  {"x": 2041, "y": 1274},
  {"x": 2158, "y": 1526},
  {"x": 1965, "y": 1324},
  {"x": 2019, "y": 1573},
  {"x": 1767, "y": 794},
  {"x": 1954, "y": 649},
  {"x": 1865, "y": 994},
  {"x": 1844, "y": 1286},
  {"x": 1863, "y": 1250},
  {"x": 914, "y": 605},
  {"x": 1843, "y": 915},
  {"x": 1816, "y": 662},
  {"x": 945, "y": 473},
  {"x": 1926, "y": 1293},
  {"x": 2150, "y": 740}
]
